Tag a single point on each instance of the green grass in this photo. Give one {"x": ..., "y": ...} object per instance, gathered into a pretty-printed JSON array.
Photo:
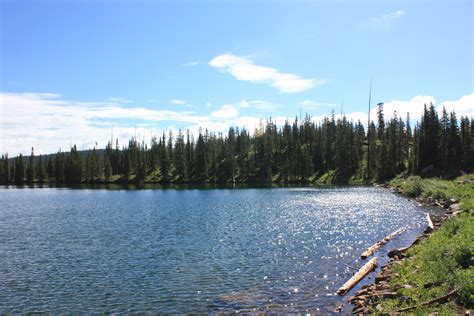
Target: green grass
[
  {"x": 442, "y": 258},
  {"x": 461, "y": 188}
]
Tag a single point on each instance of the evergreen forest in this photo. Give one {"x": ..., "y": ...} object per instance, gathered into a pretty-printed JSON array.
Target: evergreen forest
[{"x": 334, "y": 150}]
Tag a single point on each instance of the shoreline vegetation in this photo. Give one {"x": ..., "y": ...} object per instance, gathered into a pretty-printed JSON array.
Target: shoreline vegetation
[
  {"x": 333, "y": 151},
  {"x": 435, "y": 273}
]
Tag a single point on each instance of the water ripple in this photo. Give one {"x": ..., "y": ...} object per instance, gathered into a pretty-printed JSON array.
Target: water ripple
[{"x": 189, "y": 251}]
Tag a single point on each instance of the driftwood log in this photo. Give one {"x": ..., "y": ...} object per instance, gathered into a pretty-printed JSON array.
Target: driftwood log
[
  {"x": 430, "y": 222},
  {"x": 366, "y": 268},
  {"x": 433, "y": 301},
  {"x": 398, "y": 252},
  {"x": 379, "y": 244}
]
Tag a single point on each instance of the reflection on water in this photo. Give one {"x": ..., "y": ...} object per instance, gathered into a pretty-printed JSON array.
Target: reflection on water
[{"x": 185, "y": 251}]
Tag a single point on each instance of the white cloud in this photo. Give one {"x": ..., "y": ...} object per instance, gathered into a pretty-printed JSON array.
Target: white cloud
[
  {"x": 244, "y": 104},
  {"x": 244, "y": 69},
  {"x": 48, "y": 122},
  {"x": 226, "y": 111},
  {"x": 357, "y": 116},
  {"x": 176, "y": 101},
  {"x": 414, "y": 106},
  {"x": 387, "y": 19},
  {"x": 464, "y": 106}
]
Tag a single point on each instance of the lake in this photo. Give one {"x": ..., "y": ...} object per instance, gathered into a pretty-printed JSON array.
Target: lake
[{"x": 190, "y": 251}]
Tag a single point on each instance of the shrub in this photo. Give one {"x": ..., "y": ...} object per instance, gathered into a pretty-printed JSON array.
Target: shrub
[{"x": 413, "y": 186}]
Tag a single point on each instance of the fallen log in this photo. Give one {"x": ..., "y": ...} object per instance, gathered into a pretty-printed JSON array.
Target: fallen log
[
  {"x": 430, "y": 222},
  {"x": 379, "y": 244},
  {"x": 433, "y": 301},
  {"x": 397, "y": 252},
  {"x": 366, "y": 268}
]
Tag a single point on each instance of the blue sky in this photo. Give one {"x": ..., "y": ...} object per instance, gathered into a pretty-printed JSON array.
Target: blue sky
[{"x": 71, "y": 70}]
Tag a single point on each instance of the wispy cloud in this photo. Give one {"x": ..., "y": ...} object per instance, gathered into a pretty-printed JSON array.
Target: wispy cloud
[
  {"x": 119, "y": 100},
  {"x": 183, "y": 103},
  {"x": 177, "y": 101},
  {"x": 244, "y": 69},
  {"x": 314, "y": 105},
  {"x": 387, "y": 19},
  {"x": 263, "y": 105},
  {"x": 193, "y": 63}
]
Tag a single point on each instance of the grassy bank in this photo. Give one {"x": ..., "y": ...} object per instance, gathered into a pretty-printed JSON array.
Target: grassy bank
[{"x": 442, "y": 262}]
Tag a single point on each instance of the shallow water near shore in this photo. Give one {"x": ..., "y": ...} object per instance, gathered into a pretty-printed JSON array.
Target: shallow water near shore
[{"x": 191, "y": 251}]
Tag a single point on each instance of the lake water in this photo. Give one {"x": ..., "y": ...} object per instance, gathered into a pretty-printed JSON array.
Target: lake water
[{"x": 190, "y": 251}]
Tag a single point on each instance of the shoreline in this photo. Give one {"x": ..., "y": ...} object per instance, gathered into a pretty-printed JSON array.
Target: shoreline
[
  {"x": 183, "y": 186},
  {"x": 366, "y": 300}
]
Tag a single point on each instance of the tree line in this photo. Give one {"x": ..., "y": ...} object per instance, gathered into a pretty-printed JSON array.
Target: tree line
[{"x": 334, "y": 150}]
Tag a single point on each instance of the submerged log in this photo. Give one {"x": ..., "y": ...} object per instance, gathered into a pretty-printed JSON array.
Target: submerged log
[
  {"x": 366, "y": 268},
  {"x": 379, "y": 244}
]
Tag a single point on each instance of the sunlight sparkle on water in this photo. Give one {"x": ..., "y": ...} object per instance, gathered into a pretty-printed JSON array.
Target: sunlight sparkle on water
[{"x": 189, "y": 251}]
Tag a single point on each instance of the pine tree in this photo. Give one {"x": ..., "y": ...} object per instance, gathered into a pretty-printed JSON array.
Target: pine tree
[
  {"x": 74, "y": 167},
  {"x": 454, "y": 148},
  {"x": 200, "y": 164},
  {"x": 380, "y": 122},
  {"x": 41, "y": 170},
  {"x": 126, "y": 164},
  {"x": 107, "y": 168},
  {"x": 371, "y": 152},
  {"x": 408, "y": 148},
  {"x": 2, "y": 172},
  {"x": 59, "y": 167},
  {"x": 429, "y": 132},
  {"x": 165, "y": 167},
  {"x": 444, "y": 139},
  {"x": 382, "y": 154},
  {"x": 467, "y": 145},
  {"x": 6, "y": 177},
  {"x": 116, "y": 159},
  {"x": 30, "y": 171},
  {"x": 50, "y": 167},
  {"x": 19, "y": 169},
  {"x": 180, "y": 158}
]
